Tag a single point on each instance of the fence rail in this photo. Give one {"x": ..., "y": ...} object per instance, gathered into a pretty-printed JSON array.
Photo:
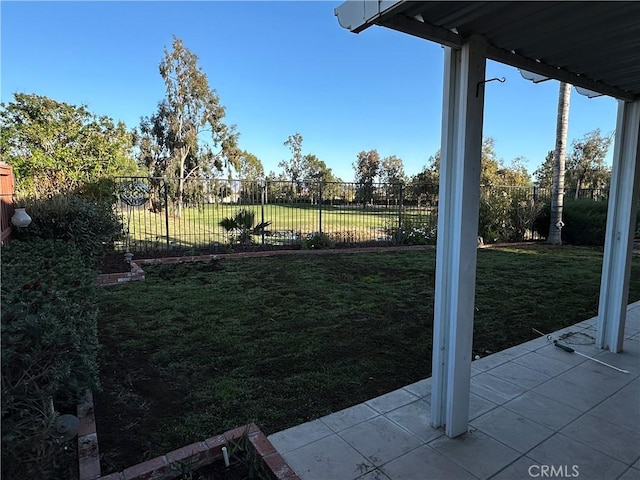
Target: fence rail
[{"x": 157, "y": 216}]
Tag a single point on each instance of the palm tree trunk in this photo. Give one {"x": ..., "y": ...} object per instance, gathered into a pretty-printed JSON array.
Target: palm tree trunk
[{"x": 557, "y": 198}]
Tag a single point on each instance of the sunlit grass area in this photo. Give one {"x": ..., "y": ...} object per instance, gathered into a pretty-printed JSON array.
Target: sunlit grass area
[{"x": 199, "y": 226}]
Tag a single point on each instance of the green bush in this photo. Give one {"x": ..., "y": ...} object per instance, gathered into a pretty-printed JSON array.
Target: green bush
[
  {"x": 101, "y": 191},
  {"x": 91, "y": 227},
  {"x": 317, "y": 240},
  {"x": 49, "y": 349},
  {"x": 585, "y": 221},
  {"x": 414, "y": 230},
  {"x": 506, "y": 215}
]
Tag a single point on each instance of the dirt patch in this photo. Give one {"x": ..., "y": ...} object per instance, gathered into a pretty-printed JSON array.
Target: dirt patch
[
  {"x": 114, "y": 263},
  {"x": 134, "y": 398}
]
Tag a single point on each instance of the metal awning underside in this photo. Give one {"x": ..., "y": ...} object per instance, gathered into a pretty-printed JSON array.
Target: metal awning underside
[{"x": 595, "y": 45}]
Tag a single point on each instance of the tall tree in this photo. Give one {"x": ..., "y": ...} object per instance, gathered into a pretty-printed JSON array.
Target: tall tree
[
  {"x": 294, "y": 167},
  {"x": 186, "y": 137},
  {"x": 250, "y": 167},
  {"x": 55, "y": 147},
  {"x": 423, "y": 186},
  {"x": 585, "y": 165},
  {"x": 366, "y": 167},
  {"x": 316, "y": 172},
  {"x": 557, "y": 194},
  {"x": 251, "y": 172},
  {"x": 544, "y": 173},
  {"x": 493, "y": 170},
  {"x": 392, "y": 173},
  {"x": 392, "y": 170}
]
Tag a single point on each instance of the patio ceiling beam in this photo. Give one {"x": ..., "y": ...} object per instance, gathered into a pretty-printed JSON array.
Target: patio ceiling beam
[
  {"x": 405, "y": 24},
  {"x": 621, "y": 218},
  {"x": 456, "y": 251},
  {"x": 562, "y": 75},
  {"x": 404, "y": 16}
]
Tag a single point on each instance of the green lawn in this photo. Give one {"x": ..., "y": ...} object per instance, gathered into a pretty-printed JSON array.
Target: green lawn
[
  {"x": 199, "y": 226},
  {"x": 200, "y": 348}
]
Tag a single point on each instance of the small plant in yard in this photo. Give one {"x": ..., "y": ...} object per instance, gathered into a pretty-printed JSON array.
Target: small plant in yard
[
  {"x": 317, "y": 240},
  {"x": 242, "y": 451},
  {"x": 244, "y": 462},
  {"x": 241, "y": 228},
  {"x": 413, "y": 231}
]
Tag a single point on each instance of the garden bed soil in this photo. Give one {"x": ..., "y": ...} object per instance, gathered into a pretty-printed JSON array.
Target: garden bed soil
[
  {"x": 134, "y": 398},
  {"x": 218, "y": 471},
  {"x": 114, "y": 263}
]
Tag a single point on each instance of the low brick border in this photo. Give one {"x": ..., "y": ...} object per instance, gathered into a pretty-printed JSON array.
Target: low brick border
[
  {"x": 88, "y": 453},
  {"x": 328, "y": 251},
  {"x": 203, "y": 453},
  {"x": 195, "y": 455},
  {"x": 136, "y": 274}
]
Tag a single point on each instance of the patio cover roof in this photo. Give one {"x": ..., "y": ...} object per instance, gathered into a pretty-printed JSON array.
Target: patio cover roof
[{"x": 594, "y": 45}]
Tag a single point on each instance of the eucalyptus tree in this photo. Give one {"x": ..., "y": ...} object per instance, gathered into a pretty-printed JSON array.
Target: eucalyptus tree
[
  {"x": 392, "y": 173},
  {"x": 251, "y": 173},
  {"x": 586, "y": 166},
  {"x": 366, "y": 171},
  {"x": 187, "y": 136},
  {"x": 294, "y": 167}
]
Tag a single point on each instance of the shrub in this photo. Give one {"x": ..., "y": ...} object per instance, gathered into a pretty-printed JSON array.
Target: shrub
[
  {"x": 49, "y": 349},
  {"x": 506, "y": 215},
  {"x": 241, "y": 228},
  {"x": 585, "y": 221},
  {"x": 317, "y": 240},
  {"x": 414, "y": 230},
  {"x": 91, "y": 227}
]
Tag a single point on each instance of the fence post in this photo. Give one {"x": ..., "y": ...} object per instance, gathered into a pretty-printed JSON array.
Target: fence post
[
  {"x": 400, "y": 202},
  {"x": 263, "y": 190},
  {"x": 7, "y": 188},
  {"x": 320, "y": 207},
  {"x": 166, "y": 207}
]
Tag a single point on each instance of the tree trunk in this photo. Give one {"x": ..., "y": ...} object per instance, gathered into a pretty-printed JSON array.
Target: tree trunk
[
  {"x": 557, "y": 197},
  {"x": 180, "y": 194}
]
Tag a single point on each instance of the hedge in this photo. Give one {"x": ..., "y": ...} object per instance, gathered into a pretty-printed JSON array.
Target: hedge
[
  {"x": 585, "y": 221},
  {"x": 49, "y": 350},
  {"x": 91, "y": 226}
]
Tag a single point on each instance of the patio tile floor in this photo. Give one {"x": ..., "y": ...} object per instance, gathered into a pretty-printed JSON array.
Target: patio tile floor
[{"x": 531, "y": 406}]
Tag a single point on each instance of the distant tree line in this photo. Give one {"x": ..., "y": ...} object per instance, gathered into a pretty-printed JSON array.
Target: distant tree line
[{"x": 56, "y": 147}]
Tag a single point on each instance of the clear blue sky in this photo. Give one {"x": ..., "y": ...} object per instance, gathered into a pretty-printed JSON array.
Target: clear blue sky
[{"x": 279, "y": 68}]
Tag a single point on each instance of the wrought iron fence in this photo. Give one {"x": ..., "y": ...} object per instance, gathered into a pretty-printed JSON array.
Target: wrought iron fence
[{"x": 158, "y": 214}]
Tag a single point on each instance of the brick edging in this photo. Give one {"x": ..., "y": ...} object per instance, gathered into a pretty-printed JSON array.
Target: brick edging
[
  {"x": 203, "y": 453},
  {"x": 195, "y": 455},
  {"x": 107, "y": 279},
  {"x": 138, "y": 274},
  {"x": 88, "y": 453}
]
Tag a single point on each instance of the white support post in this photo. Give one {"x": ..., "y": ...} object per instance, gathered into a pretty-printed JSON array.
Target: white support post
[
  {"x": 458, "y": 205},
  {"x": 621, "y": 217}
]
